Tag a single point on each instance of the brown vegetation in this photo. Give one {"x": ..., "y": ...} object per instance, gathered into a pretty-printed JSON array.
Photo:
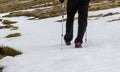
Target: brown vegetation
[
  {"x": 54, "y": 7},
  {"x": 13, "y": 35},
  {"x": 8, "y": 51},
  {"x": 8, "y": 24}
]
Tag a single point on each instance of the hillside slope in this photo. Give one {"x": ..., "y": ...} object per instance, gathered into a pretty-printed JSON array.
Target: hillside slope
[{"x": 41, "y": 46}]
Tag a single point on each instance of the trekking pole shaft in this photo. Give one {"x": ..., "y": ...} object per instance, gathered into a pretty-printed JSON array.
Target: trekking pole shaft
[
  {"x": 86, "y": 36},
  {"x": 62, "y": 25}
]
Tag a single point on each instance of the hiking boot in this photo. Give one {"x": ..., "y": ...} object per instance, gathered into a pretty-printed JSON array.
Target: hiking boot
[
  {"x": 67, "y": 43},
  {"x": 78, "y": 45}
]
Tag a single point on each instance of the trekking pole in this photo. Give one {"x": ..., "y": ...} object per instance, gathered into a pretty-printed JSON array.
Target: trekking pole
[
  {"x": 1, "y": 40},
  {"x": 86, "y": 37},
  {"x": 62, "y": 25}
]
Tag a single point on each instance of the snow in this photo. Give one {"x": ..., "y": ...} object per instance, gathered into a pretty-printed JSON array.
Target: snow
[
  {"x": 40, "y": 44},
  {"x": 28, "y": 10},
  {"x": 114, "y": 10}
]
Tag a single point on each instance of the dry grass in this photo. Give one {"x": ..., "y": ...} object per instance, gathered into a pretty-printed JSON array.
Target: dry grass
[
  {"x": 118, "y": 19},
  {"x": 97, "y": 16},
  {"x": 13, "y": 5},
  {"x": 8, "y": 25},
  {"x": 9, "y": 51},
  {"x": 56, "y": 9},
  {"x": 38, "y": 13},
  {"x": 104, "y": 5},
  {"x": 1, "y": 69},
  {"x": 8, "y": 22},
  {"x": 104, "y": 15},
  {"x": 53, "y": 11},
  {"x": 13, "y": 35},
  {"x": 0, "y": 20}
]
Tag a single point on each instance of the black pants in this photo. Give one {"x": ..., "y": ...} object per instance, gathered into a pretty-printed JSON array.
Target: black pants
[{"x": 72, "y": 7}]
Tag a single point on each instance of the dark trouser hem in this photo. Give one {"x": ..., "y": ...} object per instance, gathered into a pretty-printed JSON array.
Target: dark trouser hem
[{"x": 72, "y": 7}]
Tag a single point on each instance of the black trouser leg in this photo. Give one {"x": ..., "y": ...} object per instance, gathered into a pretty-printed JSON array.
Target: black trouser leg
[
  {"x": 71, "y": 10},
  {"x": 82, "y": 20}
]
